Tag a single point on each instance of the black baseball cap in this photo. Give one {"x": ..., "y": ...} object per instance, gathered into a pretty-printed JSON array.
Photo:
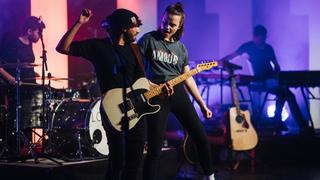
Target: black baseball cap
[{"x": 121, "y": 18}]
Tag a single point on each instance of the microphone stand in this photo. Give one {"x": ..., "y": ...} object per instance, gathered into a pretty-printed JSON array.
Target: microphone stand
[
  {"x": 48, "y": 132},
  {"x": 121, "y": 69},
  {"x": 221, "y": 86},
  {"x": 44, "y": 68}
]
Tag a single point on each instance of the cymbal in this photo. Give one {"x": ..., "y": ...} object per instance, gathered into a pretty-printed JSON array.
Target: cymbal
[
  {"x": 50, "y": 78},
  {"x": 30, "y": 84},
  {"x": 21, "y": 65}
]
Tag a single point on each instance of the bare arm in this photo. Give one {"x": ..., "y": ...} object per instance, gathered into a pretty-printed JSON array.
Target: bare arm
[
  {"x": 230, "y": 56},
  {"x": 274, "y": 60},
  {"x": 193, "y": 89},
  {"x": 65, "y": 42},
  {"x": 7, "y": 76},
  {"x": 276, "y": 65}
]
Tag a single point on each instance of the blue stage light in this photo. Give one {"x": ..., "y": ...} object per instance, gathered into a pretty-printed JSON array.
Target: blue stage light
[{"x": 271, "y": 109}]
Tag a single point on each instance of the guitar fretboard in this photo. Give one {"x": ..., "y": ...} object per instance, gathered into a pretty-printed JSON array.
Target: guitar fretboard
[
  {"x": 235, "y": 93},
  {"x": 158, "y": 90}
]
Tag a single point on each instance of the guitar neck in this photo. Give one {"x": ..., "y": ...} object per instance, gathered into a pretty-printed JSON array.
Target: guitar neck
[
  {"x": 158, "y": 90},
  {"x": 183, "y": 77},
  {"x": 235, "y": 94}
]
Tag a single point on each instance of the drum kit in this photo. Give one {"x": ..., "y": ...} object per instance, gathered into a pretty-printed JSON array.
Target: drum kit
[{"x": 70, "y": 120}]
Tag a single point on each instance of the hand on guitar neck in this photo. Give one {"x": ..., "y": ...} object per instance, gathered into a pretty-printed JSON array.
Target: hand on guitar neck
[{"x": 167, "y": 89}]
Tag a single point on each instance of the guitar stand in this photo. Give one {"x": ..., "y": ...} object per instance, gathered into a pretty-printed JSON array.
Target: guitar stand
[
  {"x": 236, "y": 159},
  {"x": 188, "y": 167}
]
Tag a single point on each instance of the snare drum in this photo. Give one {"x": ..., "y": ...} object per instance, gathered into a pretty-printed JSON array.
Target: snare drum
[{"x": 77, "y": 129}]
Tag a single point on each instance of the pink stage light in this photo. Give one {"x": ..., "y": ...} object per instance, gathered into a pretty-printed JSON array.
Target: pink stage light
[{"x": 54, "y": 15}]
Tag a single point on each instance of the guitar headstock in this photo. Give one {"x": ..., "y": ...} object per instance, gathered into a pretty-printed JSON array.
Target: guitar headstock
[{"x": 207, "y": 66}]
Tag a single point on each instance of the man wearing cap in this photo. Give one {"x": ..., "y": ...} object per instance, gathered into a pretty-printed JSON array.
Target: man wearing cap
[{"x": 107, "y": 55}]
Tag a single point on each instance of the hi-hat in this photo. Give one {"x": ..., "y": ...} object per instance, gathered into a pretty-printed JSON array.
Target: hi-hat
[
  {"x": 50, "y": 78},
  {"x": 20, "y": 65}
]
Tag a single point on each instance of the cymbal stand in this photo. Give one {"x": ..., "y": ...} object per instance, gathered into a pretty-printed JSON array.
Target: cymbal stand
[
  {"x": 18, "y": 108},
  {"x": 44, "y": 68},
  {"x": 49, "y": 123},
  {"x": 221, "y": 85},
  {"x": 18, "y": 132}
]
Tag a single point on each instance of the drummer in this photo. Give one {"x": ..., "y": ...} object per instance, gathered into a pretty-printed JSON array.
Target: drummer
[
  {"x": 15, "y": 50},
  {"x": 19, "y": 49}
]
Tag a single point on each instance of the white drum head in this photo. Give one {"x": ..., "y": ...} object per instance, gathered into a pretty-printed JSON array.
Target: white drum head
[{"x": 96, "y": 130}]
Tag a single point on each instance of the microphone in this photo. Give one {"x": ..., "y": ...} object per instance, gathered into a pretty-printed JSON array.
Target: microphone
[{"x": 85, "y": 13}]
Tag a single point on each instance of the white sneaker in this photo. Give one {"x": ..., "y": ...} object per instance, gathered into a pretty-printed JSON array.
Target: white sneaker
[{"x": 210, "y": 177}]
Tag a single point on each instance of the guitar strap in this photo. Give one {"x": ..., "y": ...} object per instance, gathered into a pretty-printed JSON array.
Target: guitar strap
[
  {"x": 139, "y": 57},
  {"x": 137, "y": 53}
]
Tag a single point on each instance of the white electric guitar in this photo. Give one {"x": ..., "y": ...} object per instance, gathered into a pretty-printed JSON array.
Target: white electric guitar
[{"x": 138, "y": 97}]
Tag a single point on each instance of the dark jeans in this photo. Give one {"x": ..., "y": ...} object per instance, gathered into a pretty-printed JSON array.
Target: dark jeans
[
  {"x": 180, "y": 105},
  {"x": 125, "y": 157},
  {"x": 283, "y": 95}
]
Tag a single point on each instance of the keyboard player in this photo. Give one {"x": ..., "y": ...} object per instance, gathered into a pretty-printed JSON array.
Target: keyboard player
[{"x": 264, "y": 64}]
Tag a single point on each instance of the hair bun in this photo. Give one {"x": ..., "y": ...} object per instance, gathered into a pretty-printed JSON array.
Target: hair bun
[{"x": 179, "y": 6}]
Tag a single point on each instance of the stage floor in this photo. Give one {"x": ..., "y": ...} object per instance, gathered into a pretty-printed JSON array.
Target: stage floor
[
  {"x": 47, "y": 169},
  {"x": 287, "y": 157}
]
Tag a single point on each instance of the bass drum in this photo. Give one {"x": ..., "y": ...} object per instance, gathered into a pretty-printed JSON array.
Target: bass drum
[{"x": 77, "y": 130}]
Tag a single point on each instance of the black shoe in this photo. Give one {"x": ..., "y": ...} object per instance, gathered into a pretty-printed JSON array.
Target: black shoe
[
  {"x": 307, "y": 131},
  {"x": 282, "y": 127},
  {"x": 279, "y": 128}
]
